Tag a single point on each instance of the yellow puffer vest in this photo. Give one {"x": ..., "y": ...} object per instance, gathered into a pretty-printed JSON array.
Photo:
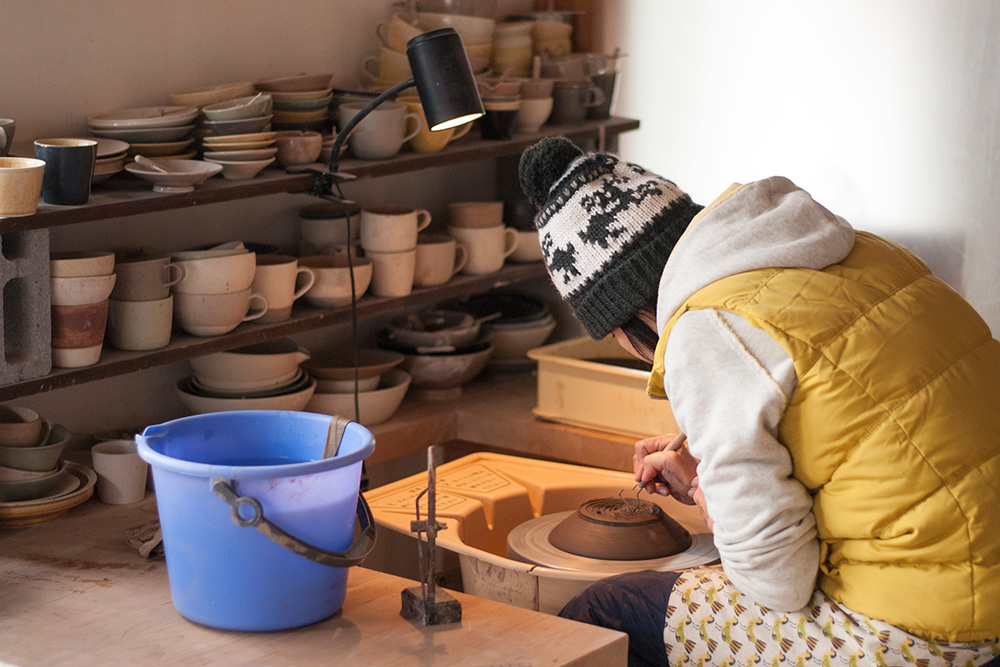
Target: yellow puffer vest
[{"x": 894, "y": 427}]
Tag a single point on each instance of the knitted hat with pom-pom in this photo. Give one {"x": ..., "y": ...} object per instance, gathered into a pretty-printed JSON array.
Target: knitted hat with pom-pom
[{"x": 606, "y": 228}]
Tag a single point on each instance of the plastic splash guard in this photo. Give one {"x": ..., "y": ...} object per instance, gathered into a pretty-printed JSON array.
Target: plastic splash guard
[{"x": 258, "y": 528}]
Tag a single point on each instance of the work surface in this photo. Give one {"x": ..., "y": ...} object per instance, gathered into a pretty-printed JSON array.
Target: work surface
[{"x": 73, "y": 593}]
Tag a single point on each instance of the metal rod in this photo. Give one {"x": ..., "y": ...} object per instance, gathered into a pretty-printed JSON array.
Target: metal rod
[{"x": 431, "y": 521}]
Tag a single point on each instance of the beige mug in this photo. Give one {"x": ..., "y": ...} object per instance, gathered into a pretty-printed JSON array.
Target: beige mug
[
  {"x": 392, "y": 228},
  {"x": 140, "y": 325},
  {"x": 487, "y": 247},
  {"x": 216, "y": 314},
  {"x": 393, "y": 272},
  {"x": 145, "y": 279},
  {"x": 439, "y": 257},
  {"x": 381, "y": 134},
  {"x": 397, "y": 32},
  {"x": 280, "y": 280},
  {"x": 426, "y": 141}
]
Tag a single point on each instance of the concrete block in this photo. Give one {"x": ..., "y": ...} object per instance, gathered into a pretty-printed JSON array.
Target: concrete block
[{"x": 26, "y": 323}]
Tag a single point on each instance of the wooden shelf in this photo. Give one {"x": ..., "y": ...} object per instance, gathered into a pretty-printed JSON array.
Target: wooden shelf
[
  {"x": 125, "y": 195},
  {"x": 182, "y": 346}
]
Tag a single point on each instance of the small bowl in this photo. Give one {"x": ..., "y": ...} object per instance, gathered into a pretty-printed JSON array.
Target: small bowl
[
  {"x": 441, "y": 330},
  {"x": 182, "y": 177},
  {"x": 8, "y": 474},
  {"x": 446, "y": 370},
  {"x": 251, "y": 368},
  {"x": 292, "y": 84},
  {"x": 332, "y": 287},
  {"x": 514, "y": 342},
  {"x": 240, "y": 156},
  {"x": 236, "y": 170},
  {"x": 44, "y": 456},
  {"x": 19, "y": 427},
  {"x": 303, "y": 105},
  {"x": 239, "y": 126},
  {"x": 50, "y": 484},
  {"x": 201, "y": 97},
  {"x": 375, "y": 406},
  {"x": 202, "y": 404},
  {"x": 81, "y": 290},
  {"x": 76, "y": 263},
  {"x": 293, "y": 386},
  {"x": 300, "y": 116},
  {"x": 251, "y": 106},
  {"x": 339, "y": 364},
  {"x": 324, "y": 386}
]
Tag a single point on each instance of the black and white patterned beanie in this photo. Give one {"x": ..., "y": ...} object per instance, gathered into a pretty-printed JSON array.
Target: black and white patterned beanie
[{"x": 606, "y": 229}]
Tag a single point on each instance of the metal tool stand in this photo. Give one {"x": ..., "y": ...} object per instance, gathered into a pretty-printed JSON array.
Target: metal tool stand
[{"x": 424, "y": 602}]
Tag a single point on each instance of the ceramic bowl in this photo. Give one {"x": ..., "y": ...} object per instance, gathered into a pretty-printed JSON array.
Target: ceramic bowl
[
  {"x": 253, "y": 367},
  {"x": 446, "y": 370},
  {"x": 20, "y": 185},
  {"x": 81, "y": 290},
  {"x": 293, "y": 386},
  {"x": 292, "y": 84},
  {"x": 201, "y": 97},
  {"x": 8, "y": 474},
  {"x": 514, "y": 342},
  {"x": 375, "y": 406},
  {"x": 339, "y": 364},
  {"x": 304, "y": 105},
  {"x": 324, "y": 386},
  {"x": 473, "y": 29},
  {"x": 240, "y": 156},
  {"x": 241, "y": 170},
  {"x": 238, "y": 126},
  {"x": 215, "y": 274},
  {"x": 332, "y": 287},
  {"x": 202, "y": 404},
  {"x": 19, "y": 426},
  {"x": 251, "y": 106},
  {"x": 44, "y": 456},
  {"x": 49, "y": 484},
  {"x": 440, "y": 330},
  {"x": 300, "y": 116},
  {"x": 72, "y": 264},
  {"x": 182, "y": 175}
]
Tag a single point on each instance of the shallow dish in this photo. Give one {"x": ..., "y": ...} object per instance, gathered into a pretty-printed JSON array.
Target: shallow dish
[
  {"x": 242, "y": 107},
  {"x": 184, "y": 175},
  {"x": 144, "y": 117},
  {"x": 375, "y": 406},
  {"x": 159, "y": 148},
  {"x": 239, "y": 145},
  {"x": 203, "y": 404},
  {"x": 142, "y": 134},
  {"x": 292, "y": 84},
  {"x": 9, "y": 474},
  {"x": 241, "y": 170},
  {"x": 220, "y": 140},
  {"x": 241, "y": 156},
  {"x": 46, "y": 486},
  {"x": 200, "y": 97},
  {"x": 41, "y": 457},
  {"x": 339, "y": 364},
  {"x": 446, "y": 370},
  {"x": 297, "y": 383},
  {"x": 300, "y": 95},
  {"x": 303, "y": 105},
  {"x": 324, "y": 386},
  {"x": 31, "y": 512},
  {"x": 239, "y": 126},
  {"x": 252, "y": 367},
  {"x": 108, "y": 148}
]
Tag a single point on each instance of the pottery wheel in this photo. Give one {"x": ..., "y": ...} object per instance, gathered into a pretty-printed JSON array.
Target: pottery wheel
[{"x": 530, "y": 543}]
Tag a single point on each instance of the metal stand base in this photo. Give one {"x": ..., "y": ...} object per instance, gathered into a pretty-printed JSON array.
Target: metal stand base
[{"x": 444, "y": 608}]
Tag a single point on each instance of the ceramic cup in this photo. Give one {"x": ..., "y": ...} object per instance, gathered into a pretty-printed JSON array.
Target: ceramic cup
[
  {"x": 393, "y": 272},
  {"x": 572, "y": 99},
  {"x": 439, "y": 257},
  {"x": 392, "y": 228},
  {"x": 217, "y": 314},
  {"x": 69, "y": 169},
  {"x": 297, "y": 147},
  {"x": 121, "y": 474},
  {"x": 20, "y": 185},
  {"x": 146, "y": 279},
  {"x": 426, "y": 141},
  {"x": 323, "y": 228},
  {"x": 528, "y": 247},
  {"x": 475, "y": 214},
  {"x": 281, "y": 281},
  {"x": 389, "y": 65},
  {"x": 332, "y": 288},
  {"x": 487, "y": 247},
  {"x": 140, "y": 325},
  {"x": 501, "y": 116},
  {"x": 396, "y": 32},
  {"x": 78, "y": 334},
  {"x": 605, "y": 82},
  {"x": 6, "y": 135},
  {"x": 216, "y": 275},
  {"x": 382, "y": 133},
  {"x": 532, "y": 114}
]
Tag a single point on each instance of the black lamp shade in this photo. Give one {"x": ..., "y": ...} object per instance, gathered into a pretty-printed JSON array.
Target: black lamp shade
[{"x": 444, "y": 79}]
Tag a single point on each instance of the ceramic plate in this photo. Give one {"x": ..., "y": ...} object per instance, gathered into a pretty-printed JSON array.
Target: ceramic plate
[
  {"x": 183, "y": 175},
  {"x": 303, "y": 105},
  {"x": 143, "y": 117},
  {"x": 239, "y": 146},
  {"x": 159, "y": 148},
  {"x": 107, "y": 148},
  {"x": 301, "y": 95},
  {"x": 241, "y": 156},
  {"x": 238, "y": 138},
  {"x": 30, "y": 512},
  {"x": 144, "y": 134},
  {"x": 186, "y": 155}
]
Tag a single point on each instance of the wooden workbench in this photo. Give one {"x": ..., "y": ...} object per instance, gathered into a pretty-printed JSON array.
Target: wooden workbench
[{"x": 73, "y": 593}]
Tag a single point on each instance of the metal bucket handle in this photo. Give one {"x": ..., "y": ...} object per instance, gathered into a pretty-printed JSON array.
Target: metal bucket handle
[{"x": 357, "y": 552}]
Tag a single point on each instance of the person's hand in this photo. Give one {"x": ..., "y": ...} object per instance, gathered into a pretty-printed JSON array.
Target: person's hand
[{"x": 665, "y": 472}]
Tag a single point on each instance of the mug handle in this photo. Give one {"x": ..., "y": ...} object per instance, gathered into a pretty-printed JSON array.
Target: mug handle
[
  {"x": 510, "y": 240},
  {"x": 423, "y": 219},
  {"x": 461, "y": 257},
  {"x": 176, "y": 268},
  {"x": 378, "y": 34},
  {"x": 306, "y": 284},
  {"x": 367, "y": 70},
  {"x": 254, "y": 314},
  {"x": 596, "y": 96},
  {"x": 461, "y": 131},
  {"x": 3, "y": 142},
  {"x": 416, "y": 130}
]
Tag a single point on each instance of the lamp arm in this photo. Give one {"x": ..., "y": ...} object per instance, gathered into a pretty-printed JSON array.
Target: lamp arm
[{"x": 358, "y": 117}]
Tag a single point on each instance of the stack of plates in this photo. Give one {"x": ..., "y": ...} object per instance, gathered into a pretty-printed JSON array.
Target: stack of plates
[
  {"x": 300, "y": 102},
  {"x": 111, "y": 156},
  {"x": 254, "y": 146},
  {"x": 243, "y": 115},
  {"x": 162, "y": 131}
]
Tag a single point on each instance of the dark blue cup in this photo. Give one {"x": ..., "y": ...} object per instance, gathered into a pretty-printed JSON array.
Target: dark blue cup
[{"x": 69, "y": 169}]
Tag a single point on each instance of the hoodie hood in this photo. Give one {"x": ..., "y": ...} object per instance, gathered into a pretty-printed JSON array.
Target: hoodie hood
[{"x": 767, "y": 224}]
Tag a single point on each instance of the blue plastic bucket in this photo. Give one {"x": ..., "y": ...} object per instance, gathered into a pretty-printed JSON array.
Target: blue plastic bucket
[{"x": 258, "y": 528}]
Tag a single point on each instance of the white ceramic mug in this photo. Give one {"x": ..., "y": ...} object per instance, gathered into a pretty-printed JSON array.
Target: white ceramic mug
[
  {"x": 280, "y": 280},
  {"x": 216, "y": 275},
  {"x": 392, "y": 228},
  {"x": 216, "y": 314},
  {"x": 140, "y": 325},
  {"x": 383, "y": 131},
  {"x": 121, "y": 474},
  {"x": 439, "y": 257},
  {"x": 487, "y": 247},
  {"x": 392, "y": 272},
  {"x": 145, "y": 279}
]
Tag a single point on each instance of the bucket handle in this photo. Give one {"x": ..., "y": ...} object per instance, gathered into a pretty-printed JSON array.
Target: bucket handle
[{"x": 357, "y": 552}]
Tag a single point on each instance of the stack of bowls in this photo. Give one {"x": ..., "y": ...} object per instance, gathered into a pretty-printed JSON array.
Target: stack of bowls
[
  {"x": 111, "y": 156},
  {"x": 265, "y": 376},
  {"x": 140, "y": 311},
  {"x": 213, "y": 297},
  {"x": 30, "y": 465},
  {"x": 524, "y": 324},
  {"x": 300, "y": 102},
  {"x": 202, "y": 97},
  {"x": 241, "y": 116},
  {"x": 152, "y": 132},
  {"x": 442, "y": 349},
  {"x": 380, "y": 385},
  {"x": 81, "y": 283},
  {"x": 241, "y": 156},
  {"x": 475, "y": 25},
  {"x": 512, "y": 48},
  {"x": 536, "y": 104}
]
